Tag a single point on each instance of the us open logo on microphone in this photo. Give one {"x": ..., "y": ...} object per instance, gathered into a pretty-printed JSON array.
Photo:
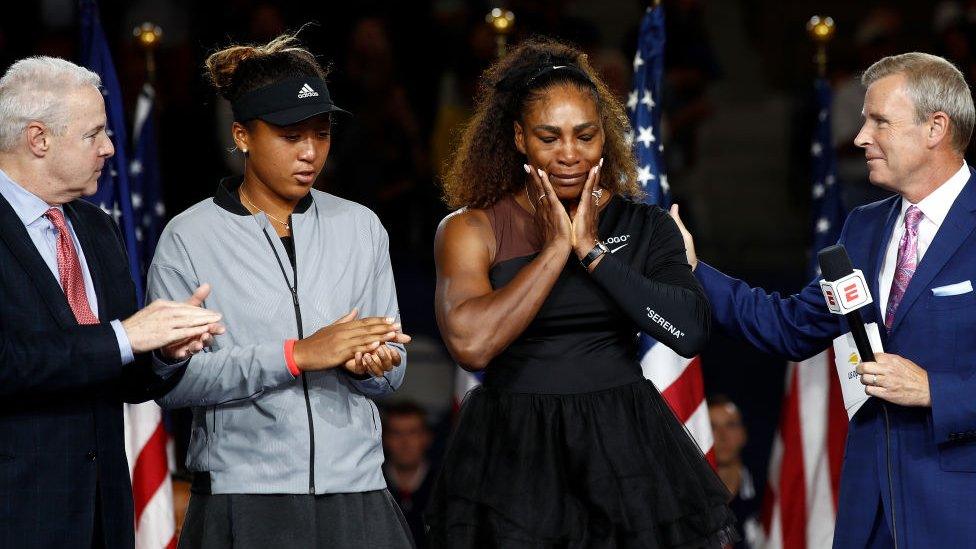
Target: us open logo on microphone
[{"x": 846, "y": 294}]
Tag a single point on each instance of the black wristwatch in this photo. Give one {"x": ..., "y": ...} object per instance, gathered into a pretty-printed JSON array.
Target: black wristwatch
[{"x": 594, "y": 254}]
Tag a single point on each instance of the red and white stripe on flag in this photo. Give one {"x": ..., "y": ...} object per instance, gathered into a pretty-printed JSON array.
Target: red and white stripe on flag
[
  {"x": 800, "y": 501},
  {"x": 152, "y": 491},
  {"x": 680, "y": 381}
]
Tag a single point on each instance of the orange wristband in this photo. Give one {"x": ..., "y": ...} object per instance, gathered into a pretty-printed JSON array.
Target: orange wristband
[{"x": 290, "y": 357}]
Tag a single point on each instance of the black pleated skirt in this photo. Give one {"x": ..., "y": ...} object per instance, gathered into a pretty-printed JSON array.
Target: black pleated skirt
[
  {"x": 612, "y": 468},
  {"x": 332, "y": 521}
]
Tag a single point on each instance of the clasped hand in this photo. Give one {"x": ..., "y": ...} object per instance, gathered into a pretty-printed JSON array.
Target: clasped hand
[
  {"x": 357, "y": 344},
  {"x": 176, "y": 329}
]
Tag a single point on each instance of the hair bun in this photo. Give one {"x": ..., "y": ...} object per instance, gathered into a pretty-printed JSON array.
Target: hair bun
[{"x": 222, "y": 64}]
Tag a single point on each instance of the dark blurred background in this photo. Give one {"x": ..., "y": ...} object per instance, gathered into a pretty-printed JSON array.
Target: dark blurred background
[{"x": 738, "y": 120}]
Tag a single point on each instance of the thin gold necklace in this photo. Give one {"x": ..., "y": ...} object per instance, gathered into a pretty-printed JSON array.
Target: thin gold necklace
[{"x": 273, "y": 218}]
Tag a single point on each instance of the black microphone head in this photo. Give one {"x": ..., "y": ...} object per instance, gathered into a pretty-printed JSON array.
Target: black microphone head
[{"x": 834, "y": 262}]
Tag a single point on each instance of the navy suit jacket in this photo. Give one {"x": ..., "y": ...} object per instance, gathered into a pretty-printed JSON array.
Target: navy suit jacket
[
  {"x": 62, "y": 386},
  {"x": 920, "y": 462}
]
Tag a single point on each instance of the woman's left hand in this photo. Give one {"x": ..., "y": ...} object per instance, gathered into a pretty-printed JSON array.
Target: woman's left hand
[
  {"x": 585, "y": 220},
  {"x": 377, "y": 363}
]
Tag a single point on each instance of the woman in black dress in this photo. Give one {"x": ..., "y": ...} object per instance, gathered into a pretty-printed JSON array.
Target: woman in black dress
[{"x": 545, "y": 276}]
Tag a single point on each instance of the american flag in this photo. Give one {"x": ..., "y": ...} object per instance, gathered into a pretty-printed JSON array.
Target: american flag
[
  {"x": 679, "y": 379},
  {"x": 113, "y": 194},
  {"x": 147, "y": 201},
  {"x": 145, "y": 436},
  {"x": 800, "y": 502}
]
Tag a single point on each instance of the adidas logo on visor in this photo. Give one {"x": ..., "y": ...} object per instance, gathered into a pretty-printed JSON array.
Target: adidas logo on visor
[{"x": 307, "y": 91}]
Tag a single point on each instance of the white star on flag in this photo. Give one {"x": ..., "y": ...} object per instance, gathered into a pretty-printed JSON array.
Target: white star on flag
[
  {"x": 831, "y": 179},
  {"x": 637, "y": 61},
  {"x": 648, "y": 99},
  {"x": 823, "y": 225},
  {"x": 629, "y": 138},
  {"x": 136, "y": 200},
  {"x": 160, "y": 209},
  {"x": 664, "y": 184},
  {"x": 644, "y": 175},
  {"x": 823, "y": 115},
  {"x": 818, "y": 191},
  {"x": 816, "y": 149},
  {"x": 135, "y": 167},
  {"x": 645, "y": 136},
  {"x": 632, "y": 100}
]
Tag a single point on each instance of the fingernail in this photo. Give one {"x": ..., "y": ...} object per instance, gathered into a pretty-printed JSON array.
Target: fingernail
[
  {"x": 540, "y": 171},
  {"x": 600, "y": 165},
  {"x": 389, "y": 320},
  {"x": 526, "y": 168}
]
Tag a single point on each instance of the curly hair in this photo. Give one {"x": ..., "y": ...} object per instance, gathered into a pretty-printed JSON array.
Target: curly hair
[{"x": 486, "y": 165}]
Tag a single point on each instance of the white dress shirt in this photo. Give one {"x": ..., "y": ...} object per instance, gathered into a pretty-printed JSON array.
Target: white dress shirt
[{"x": 934, "y": 209}]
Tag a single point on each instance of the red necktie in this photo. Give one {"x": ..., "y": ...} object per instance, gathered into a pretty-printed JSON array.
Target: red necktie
[{"x": 69, "y": 270}]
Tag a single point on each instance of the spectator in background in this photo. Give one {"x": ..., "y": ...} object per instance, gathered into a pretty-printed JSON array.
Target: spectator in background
[
  {"x": 730, "y": 438},
  {"x": 406, "y": 439},
  {"x": 381, "y": 156}
]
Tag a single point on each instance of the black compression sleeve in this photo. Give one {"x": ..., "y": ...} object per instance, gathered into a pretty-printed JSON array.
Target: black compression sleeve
[{"x": 665, "y": 300}]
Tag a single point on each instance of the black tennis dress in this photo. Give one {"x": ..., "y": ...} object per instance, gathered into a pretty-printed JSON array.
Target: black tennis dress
[{"x": 566, "y": 444}]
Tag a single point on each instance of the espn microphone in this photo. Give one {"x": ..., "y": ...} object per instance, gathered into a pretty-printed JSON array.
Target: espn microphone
[{"x": 846, "y": 291}]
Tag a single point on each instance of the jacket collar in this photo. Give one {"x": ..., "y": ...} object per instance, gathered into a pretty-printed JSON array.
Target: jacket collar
[
  {"x": 227, "y": 198},
  {"x": 14, "y": 234},
  {"x": 956, "y": 228}
]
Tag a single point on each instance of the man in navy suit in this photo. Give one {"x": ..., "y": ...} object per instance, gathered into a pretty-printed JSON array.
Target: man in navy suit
[
  {"x": 73, "y": 346},
  {"x": 909, "y": 475}
]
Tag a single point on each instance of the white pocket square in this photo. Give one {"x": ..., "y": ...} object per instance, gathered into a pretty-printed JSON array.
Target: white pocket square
[{"x": 953, "y": 289}]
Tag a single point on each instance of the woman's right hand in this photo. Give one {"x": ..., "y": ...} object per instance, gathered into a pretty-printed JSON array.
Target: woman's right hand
[
  {"x": 690, "y": 253},
  {"x": 339, "y": 342},
  {"x": 550, "y": 215}
]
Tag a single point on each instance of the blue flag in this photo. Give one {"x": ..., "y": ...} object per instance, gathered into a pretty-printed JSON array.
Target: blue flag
[
  {"x": 827, "y": 209},
  {"x": 147, "y": 204},
  {"x": 644, "y": 105},
  {"x": 113, "y": 186}
]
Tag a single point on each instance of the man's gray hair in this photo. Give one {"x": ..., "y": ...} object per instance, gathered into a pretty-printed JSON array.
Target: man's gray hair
[
  {"x": 933, "y": 84},
  {"x": 33, "y": 89}
]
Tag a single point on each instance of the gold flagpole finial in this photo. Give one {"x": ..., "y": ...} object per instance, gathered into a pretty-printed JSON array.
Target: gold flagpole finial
[
  {"x": 502, "y": 21},
  {"x": 149, "y": 35},
  {"x": 821, "y": 30}
]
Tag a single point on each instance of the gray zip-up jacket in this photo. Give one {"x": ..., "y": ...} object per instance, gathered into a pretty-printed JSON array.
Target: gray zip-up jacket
[{"x": 258, "y": 429}]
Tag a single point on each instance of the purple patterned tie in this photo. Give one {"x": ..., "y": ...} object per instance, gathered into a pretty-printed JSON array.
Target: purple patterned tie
[{"x": 907, "y": 262}]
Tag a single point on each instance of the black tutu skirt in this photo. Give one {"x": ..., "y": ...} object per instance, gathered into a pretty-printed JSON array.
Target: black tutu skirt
[{"x": 612, "y": 468}]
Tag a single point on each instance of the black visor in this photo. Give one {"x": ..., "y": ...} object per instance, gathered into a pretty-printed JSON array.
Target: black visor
[{"x": 287, "y": 102}]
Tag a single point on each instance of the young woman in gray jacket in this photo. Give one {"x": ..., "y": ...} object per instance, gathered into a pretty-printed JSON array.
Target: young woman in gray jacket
[{"x": 285, "y": 444}]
